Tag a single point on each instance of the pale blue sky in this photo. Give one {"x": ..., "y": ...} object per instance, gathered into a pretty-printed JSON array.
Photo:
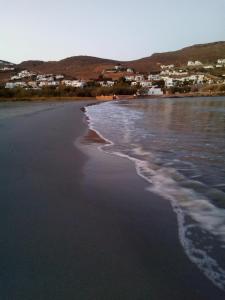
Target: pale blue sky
[{"x": 118, "y": 29}]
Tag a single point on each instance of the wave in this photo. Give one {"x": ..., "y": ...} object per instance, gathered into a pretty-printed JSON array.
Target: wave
[{"x": 201, "y": 225}]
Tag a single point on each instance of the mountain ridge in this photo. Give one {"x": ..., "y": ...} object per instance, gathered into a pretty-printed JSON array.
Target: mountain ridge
[{"x": 86, "y": 67}]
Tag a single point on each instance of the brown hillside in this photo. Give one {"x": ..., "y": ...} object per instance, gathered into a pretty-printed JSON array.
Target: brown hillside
[
  {"x": 30, "y": 64},
  {"x": 86, "y": 67},
  {"x": 206, "y": 53},
  {"x": 77, "y": 66}
]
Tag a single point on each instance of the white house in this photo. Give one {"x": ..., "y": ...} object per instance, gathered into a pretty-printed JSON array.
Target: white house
[
  {"x": 146, "y": 83},
  {"x": 198, "y": 78},
  {"x": 194, "y": 63},
  {"x": 59, "y": 77},
  {"x": 209, "y": 67},
  {"x": 154, "y": 77},
  {"x": 179, "y": 73},
  {"x": 198, "y": 63},
  {"x": 139, "y": 77},
  {"x": 43, "y": 83},
  {"x": 67, "y": 82},
  {"x": 129, "y": 70},
  {"x": 53, "y": 83},
  {"x": 78, "y": 83},
  {"x": 48, "y": 83},
  {"x": 32, "y": 84},
  {"x": 25, "y": 73},
  {"x": 190, "y": 63},
  {"x": 74, "y": 83},
  {"x": 130, "y": 78},
  {"x": 21, "y": 84},
  {"x": 11, "y": 85},
  {"x": 107, "y": 83},
  {"x": 50, "y": 78},
  {"x": 155, "y": 91},
  {"x": 40, "y": 77},
  {"x": 165, "y": 72},
  {"x": 169, "y": 82},
  {"x": 15, "y": 77},
  {"x": 45, "y": 77},
  {"x": 7, "y": 69},
  {"x": 221, "y": 61},
  {"x": 163, "y": 67}
]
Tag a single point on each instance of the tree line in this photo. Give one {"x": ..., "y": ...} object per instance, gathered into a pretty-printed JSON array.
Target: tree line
[{"x": 67, "y": 91}]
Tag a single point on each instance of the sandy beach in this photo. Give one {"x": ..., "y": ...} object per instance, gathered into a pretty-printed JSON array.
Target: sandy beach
[{"x": 77, "y": 223}]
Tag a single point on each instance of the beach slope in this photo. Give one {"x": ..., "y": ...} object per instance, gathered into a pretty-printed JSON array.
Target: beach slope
[{"x": 77, "y": 223}]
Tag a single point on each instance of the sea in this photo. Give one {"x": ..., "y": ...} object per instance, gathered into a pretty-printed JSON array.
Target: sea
[{"x": 178, "y": 147}]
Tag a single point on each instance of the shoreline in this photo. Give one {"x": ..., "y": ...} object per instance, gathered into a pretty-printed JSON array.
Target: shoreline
[
  {"x": 78, "y": 223},
  {"x": 110, "y": 98},
  {"x": 121, "y": 168},
  {"x": 99, "y": 141}
]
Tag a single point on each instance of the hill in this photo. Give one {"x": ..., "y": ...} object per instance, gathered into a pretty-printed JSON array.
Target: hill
[
  {"x": 77, "y": 66},
  {"x": 206, "y": 53},
  {"x": 86, "y": 67}
]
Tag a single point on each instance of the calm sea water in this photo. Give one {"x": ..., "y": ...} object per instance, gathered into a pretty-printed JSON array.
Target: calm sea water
[{"x": 178, "y": 146}]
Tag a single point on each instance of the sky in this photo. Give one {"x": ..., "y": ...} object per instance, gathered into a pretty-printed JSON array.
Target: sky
[{"x": 116, "y": 29}]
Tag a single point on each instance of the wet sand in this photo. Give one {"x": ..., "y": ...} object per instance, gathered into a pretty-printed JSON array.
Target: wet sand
[{"x": 77, "y": 223}]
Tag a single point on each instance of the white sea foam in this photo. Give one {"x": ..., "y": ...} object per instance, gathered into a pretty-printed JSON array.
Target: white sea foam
[{"x": 186, "y": 203}]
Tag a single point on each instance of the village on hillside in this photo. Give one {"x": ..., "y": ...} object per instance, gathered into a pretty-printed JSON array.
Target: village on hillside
[{"x": 171, "y": 79}]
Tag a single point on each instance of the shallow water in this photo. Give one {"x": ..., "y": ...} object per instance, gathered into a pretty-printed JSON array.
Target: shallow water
[{"x": 178, "y": 146}]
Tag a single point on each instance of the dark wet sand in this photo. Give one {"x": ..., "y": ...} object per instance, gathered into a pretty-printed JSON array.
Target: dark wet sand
[{"x": 78, "y": 224}]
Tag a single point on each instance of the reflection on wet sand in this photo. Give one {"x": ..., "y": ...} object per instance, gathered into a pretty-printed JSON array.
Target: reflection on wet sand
[{"x": 91, "y": 137}]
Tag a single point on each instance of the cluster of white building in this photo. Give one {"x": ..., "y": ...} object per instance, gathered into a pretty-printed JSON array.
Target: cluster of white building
[
  {"x": 171, "y": 76},
  {"x": 27, "y": 79},
  {"x": 23, "y": 74},
  {"x": 151, "y": 80},
  {"x": 192, "y": 79},
  {"x": 7, "y": 69},
  {"x": 11, "y": 85},
  {"x": 119, "y": 68},
  {"x": 219, "y": 64},
  {"x": 170, "y": 72},
  {"x": 147, "y": 83}
]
